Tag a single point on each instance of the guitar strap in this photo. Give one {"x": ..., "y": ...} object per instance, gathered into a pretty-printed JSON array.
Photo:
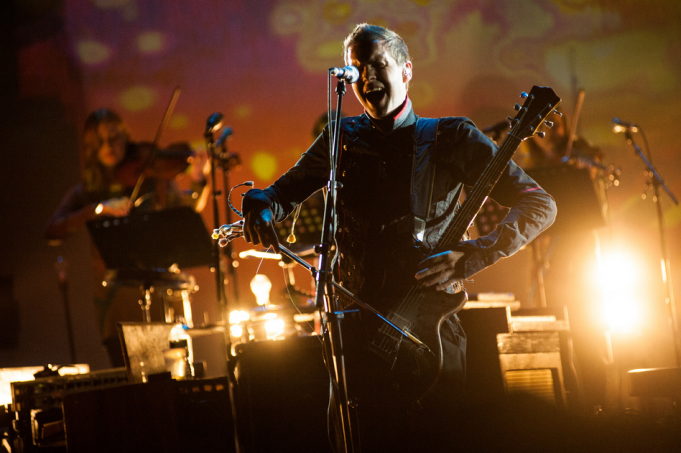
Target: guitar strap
[{"x": 426, "y": 132}]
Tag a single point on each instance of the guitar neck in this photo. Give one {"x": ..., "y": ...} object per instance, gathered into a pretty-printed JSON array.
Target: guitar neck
[{"x": 477, "y": 196}]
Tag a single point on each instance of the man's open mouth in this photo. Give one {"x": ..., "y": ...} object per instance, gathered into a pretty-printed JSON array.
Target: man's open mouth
[{"x": 375, "y": 95}]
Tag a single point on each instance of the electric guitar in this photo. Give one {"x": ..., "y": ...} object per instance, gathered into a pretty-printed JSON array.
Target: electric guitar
[{"x": 409, "y": 367}]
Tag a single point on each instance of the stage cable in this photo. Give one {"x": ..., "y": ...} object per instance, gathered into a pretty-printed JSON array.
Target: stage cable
[{"x": 290, "y": 297}]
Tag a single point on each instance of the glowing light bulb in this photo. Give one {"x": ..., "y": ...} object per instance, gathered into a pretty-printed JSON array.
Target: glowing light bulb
[{"x": 261, "y": 286}]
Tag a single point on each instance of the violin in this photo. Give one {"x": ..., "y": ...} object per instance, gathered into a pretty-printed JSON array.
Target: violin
[{"x": 145, "y": 160}]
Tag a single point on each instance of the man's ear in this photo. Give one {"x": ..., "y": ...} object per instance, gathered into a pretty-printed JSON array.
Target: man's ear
[{"x": 406, "y": 72}]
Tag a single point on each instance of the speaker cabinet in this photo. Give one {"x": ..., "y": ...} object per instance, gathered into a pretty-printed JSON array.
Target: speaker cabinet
[
  {"x": 282, "y": 395},
  {"x": 167, "y": 416},
  {"x": 482, "y": 325},
  {"x": 531, "y": 364}
]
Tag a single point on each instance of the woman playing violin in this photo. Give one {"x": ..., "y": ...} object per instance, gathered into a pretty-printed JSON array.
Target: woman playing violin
[
  {"x": 111, "y": 169},
  {"x": 112, "y": 164}
]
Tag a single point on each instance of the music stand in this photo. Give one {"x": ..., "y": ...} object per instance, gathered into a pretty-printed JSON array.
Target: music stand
[
  {"x": 144, "y": 245},
  {"x": 153, "y": 240}
]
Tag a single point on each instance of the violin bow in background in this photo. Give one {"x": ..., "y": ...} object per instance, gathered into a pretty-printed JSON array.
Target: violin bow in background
[{"x": 161, "y": 128}]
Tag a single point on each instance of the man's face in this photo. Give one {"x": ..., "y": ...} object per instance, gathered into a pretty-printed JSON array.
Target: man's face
[
  {"x": 112, "y": 150},
  {"x": 382, "y": 84}
]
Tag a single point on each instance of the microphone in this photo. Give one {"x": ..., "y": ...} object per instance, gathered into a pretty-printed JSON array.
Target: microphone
[
  {"x": 226, "y": 132},
  {"x": 348, "y": 74},
  {"x": 622, "y": 126},
  {"x": 214, "y": 121}
]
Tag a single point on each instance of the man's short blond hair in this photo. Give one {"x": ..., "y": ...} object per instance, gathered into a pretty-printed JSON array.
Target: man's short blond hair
[{"x": 364, "y": 33}]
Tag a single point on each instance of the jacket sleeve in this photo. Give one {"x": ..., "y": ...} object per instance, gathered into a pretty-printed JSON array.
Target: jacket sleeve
[
  {"x": 532, "y": 210},
  {"x": 308, "y": 175}
]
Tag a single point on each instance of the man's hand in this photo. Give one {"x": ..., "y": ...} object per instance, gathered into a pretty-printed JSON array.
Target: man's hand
[
  {"x": 439, "y": 270},
  {"x": 259, "y": 227}
]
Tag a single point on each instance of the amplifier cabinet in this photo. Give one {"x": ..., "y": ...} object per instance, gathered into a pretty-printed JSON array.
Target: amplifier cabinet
[
  {"x": 38, "y": 421},
  {"x": 531, "y": 364},
  {"x": 164, "y": 416},
  {"x": 281, "y": 396}
]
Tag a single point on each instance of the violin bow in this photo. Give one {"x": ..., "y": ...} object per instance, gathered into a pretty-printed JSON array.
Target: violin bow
[{"x": 161, "y": 128}]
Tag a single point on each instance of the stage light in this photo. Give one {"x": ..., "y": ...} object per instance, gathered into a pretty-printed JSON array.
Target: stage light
[
  {"x": 260, "y": 254},
  {"x": 236, "y": 330},
  {"x": 274, "y": 328},
  {"x": 618, "y": 278},
  {"x": 238, "y": 316},
  {"x": 261, "y": 286}
]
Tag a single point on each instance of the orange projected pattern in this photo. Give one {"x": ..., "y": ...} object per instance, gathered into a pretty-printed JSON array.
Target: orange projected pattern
[{"x": 263, "y": 64}]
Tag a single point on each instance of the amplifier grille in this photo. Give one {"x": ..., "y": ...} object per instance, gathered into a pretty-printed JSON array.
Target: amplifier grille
[{"x": 538, "y": 383}]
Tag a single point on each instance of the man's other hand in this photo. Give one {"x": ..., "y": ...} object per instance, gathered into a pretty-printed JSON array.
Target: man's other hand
[{"x": 439, "y": 270}]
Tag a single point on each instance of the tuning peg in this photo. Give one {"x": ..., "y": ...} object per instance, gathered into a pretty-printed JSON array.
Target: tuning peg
[
  {"x": 517, "y": 107},
  {"x": 510, "y": 118},
  {"x": 541, "y": 134},
  {"x": 548, "y": 124},
  {"x": 523, "y": 95},
  {"x": 558, "y": 113}
]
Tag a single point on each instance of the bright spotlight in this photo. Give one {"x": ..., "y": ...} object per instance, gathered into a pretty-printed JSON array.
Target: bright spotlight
[{"x": 619, "y": 280}]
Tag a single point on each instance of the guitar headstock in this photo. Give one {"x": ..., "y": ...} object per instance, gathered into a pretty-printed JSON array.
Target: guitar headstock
[{"x": 539, "y": 104}]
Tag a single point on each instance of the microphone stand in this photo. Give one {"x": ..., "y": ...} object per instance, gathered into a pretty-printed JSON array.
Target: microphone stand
[
  {"x": 228, "y": 161},
  {"x": 657, "y": 182},
  {"x": 324, "y": 294},
  {"x": 215, "y": 193}
]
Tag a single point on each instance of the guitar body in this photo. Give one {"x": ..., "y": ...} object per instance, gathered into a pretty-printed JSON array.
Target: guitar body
[{"x": 385, "y": 366}]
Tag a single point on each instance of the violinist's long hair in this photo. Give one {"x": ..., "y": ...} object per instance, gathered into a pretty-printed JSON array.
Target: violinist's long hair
[{"x": 96, "y": 177}]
